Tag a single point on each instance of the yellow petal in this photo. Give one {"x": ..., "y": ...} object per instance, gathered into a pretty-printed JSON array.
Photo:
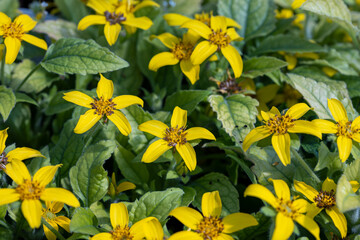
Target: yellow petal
[
  {"x": 329, "y": 71},
  {"x": 175, "y": 19},
  {"x": 60, "y": 195},
  {"x": 232, "y": 23},
  {"x": 356, "y": 137},
  {"x": 91, "y": 20},
  {"x": 63, "y": 222},
  {"x": 309, "y": 224},
  {"x": 46, "y": 174},
  {"x": 119, "y": 215},
  {"x": 31, "y": 210},
  {"x": 234, "y": 58},
  {"x": 79, "y": 98},
  {"x": 100, "y": 6},
  {"x": 298, "y": 110},
  {"x": 155, "y": 150},
  {"x": 111, "y": 32},
  {"x": 140, "y": 22},
  {"x": 188, "y": 235},
  {"x": 124, "y": 101},
  {"x": 25, "y": 21},
  {"x": 154, "y": 127},
  {"x": 211, "y": 204},
  {"x": 4, "y": 19},
  {"x": 3, "y": 137},
  {"x": 190, "y": 70},
  {"x": 187, "y": 216},
  {"x": 261, "y": 192},
  {"x": 325, "y": 126},
  {"x": 200, "y": 28},
  {"x": 34, "y": 41},
  {"x": 307, "y": 190},
  {"x": 223, "y": 236},
  {"x": 48, "y": 233},
  {"x": 237, "y": 221},
  {"x": 281, "y": 144},
  {"x": 307, "y": 55},
  {"x": 188, "y": 154},
  {"x": 17, "y": 171},
  {"x": 168, "y": 40},
  {"x": 145, "y": 3},
  {"x": 300, "y": 205},
  {"x": 8, "y": 195},
  {"x": 151, "y": 228},
  {"x": 274, "y": 111},
  {"x": 312, "y": 210},
  {"x": 202, "y": 51},
  {"x": 23, "y": 153},
  {"x": 355, "y": 185},
  {"x": 297, "y": 3},
  {"x": 255, "y": 135},
  {"x": 55, "y": 207},
  {"x": 12, "y": 49},
  {"x": 105, "y": 88},
  {"x": 121, "y": 122},
  {"x": 302, "y": 126},
  {"x": 102, "y": 236},
  {"x": 291, "y": 60},
  {"x": 124, "y": 186},
  {"x": 162, "y": 59},
  {"x": 284, "y": 227},
  {"x": 218, "y": 23},
  {"x": 328, "y": 185},
  {"x": 356, "y": 123},
  {"x": 87, "y": 121},
  {"x": 199, "y": 133},
  {"x": 179, "y": 117},
  {"x": 190, "y": 37},
  {"x": 337, "y": 110},
  {"x": 344, "y": 146},
  {"x": 338, "y": 219},
  {"x": 281, "y": 189}
]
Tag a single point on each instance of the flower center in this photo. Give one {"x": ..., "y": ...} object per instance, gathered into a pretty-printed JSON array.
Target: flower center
[
  {"x": 3, "y": 161},
  {"x": 325, "y": 199},
  {"x": 182, "y": 51},
  {"x": 219, "y": 38},
  {"x": 344, "y": 129},
  {"x": 210, "y": 227},
  {"x": 175, "y": 135},
  {"x": 29, "y": 190},
  {"x": 203, "y": 17},
  {"x": 280, "y": 124},
  {"x": 103, "y": 107},
  {"x": 114, "y": 18},
  {"x": 12, "y": 30},
  {"x": 120, "y": 233},
  {"x": 48, "y": 215},
  {"x": 286, "y": 208}
]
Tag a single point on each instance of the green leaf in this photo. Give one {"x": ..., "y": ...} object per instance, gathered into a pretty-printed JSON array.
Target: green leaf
[
  {"x": 88, "y": 178},
  {"x": 236, "y": 113},
  {"x": 185, "y": 7},
  {"x": 185, "y": 99},
  {"x": 9, "y": 7},
  {"x": 73, "y": 10},
  {"x": 57, "y": 29},
  {"x": 327, "y": 159},
  {"x": 157, "y": 204},
  {"x": 352, "y": 171},
  {"x": 7, "y": 102},
  {"x": 73, "y": 55},
  {"x": 189, "y": 196},
  {"x": 39, "y": 162},
  {"x": 346, "y": 199},
  {"x": 258, "y": 66},
  {"x": 21, "y": 97},
  {"x": 58, "y": 104},
  {"x": 84, "y": 221},
  {"x": 217, "y": 182},
  {"x": 101, "y": 214}
]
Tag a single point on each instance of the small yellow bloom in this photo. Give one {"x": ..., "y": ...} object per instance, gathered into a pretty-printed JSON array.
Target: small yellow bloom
[
  {"x": 330, "y": 72},
  {"x": 104, "y": 106},
  {"x": 175, "y": 136},
  {"x": 115, "y": 189},
  {"x": 209, "y": 225},
  {"x": 15, "y": 32},
  {"x": 289, "y": 210},
  {"x": 291, "y": 59},
  {"x": 49, "y": 214},
  {"x": 297, "y": 3},
  {"x": 20, "y": 154},
  {"x": 280, "y": 125},
  {"x": 345, "y": 130},
  {"x": 147, "y": 228},
  {"x": 31, "y": 189}
]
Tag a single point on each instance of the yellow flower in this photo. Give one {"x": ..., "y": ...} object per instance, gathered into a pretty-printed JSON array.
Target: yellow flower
[
  {"x": 113, "y": 17},
  {"x": 175, "y": 136},
  {"x": 115, "y": 189},
  {"x": 288, "y": 210},
  {"x": 297, "y": 3},
  {"x": 30, "y": 190},
  {"x": 180, "y": 51},
  {"x": 15, "y": 32},
  {"x": 291, "y": 59},
  {"x": 148, "y": 228},
  {"x": 104, "y": 106},
  {"x": 325, "y": 199},
  {"x": 217, "y": 37},
  {"x": 49, "y": 214},
  {"x": 345, "y": 130},
  {"x": 21, "y": 153},
  {"x": 280, "y": 125},
  {"x": 209, "y": 225},
  {"x": 288, "y": 13}
]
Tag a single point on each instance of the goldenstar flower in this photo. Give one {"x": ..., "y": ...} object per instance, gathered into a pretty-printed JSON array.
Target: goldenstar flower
[
  {"x": 49, "y": 214},
  {"x": 147, "y": 228},
  {"x": 20, "y": 153},
  {"x": 289, "y": 210},
  {"x": 180, "y": 51},
  {"x": 15, "y": 32},
  {"x": 115, "y": 189},
  {"x": 30, "y": 190},
  {"x": 217, "y": 37},
  {"x": 345, "y": 130},
  {"x": 297, "y": 4},
  {"x": 209, "y": 225},
  {"x": 175, "y": 136},
  {"x": 104, "y": 106},
  {"x": 279, "y": 126}
]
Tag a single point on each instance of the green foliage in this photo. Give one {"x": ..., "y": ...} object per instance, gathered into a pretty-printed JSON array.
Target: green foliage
[
  {"x": 9, "y": 7},
  {"x": 7, "y": 102},
  {"x": 346, "y": 199},
  {"x": 186, "y": 99},
  {"x": 57, "y": 29},
  {"x": 84, "y": 221},
  {"x": 259, "y": 66}
]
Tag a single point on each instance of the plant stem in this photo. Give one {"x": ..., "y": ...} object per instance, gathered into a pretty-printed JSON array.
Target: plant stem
[
  {"x": 2, "y": 71},
  {"x": 28, "y": 76},
  {"x": 305, "y": 165},
  {"x": 53, "y": 230}
]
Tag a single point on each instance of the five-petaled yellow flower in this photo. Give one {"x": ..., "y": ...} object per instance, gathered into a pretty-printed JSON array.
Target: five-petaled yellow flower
[
  {"x": 147, "y": 228},
  {"x": 104, "y": 106},
  {"x": 280, "y": 125},
  {"x": 288, "y": 210},
  {"x": 175, "y": 136},
  {"x": 209, "y": 225},
  {"x": 15, "y": 32},
  {"x": 345, "y": 130},
  {"x": 113, "y": 16},
  {"x": 217, "y": 37},
  {"x": 20, "y": 153},
  {"x": 180, "y": 51},
  {"x": 325, "y": 199},
  {"x": 49, "y": 215},
  {"x": 115, "y": 189},
  {"x": 30, "y": 190}
]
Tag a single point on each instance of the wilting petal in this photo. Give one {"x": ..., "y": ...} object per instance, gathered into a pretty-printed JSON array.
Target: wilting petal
[
  {"x": 200, "y": 28},
  {"x": 302, "y": 126},
  {"x": 308, "y": 191},
  {"x": 168, "y": 40},
  {"x": 124, "y": 186},
  {"x": 34, "y": 41},
  {"x": 78, "y": 98},
  {"x": 188, "y": 235},
  {"x": 202, "y": 51},
  {"x": 3, "y": 137},
  {"x": 198, "y": 133},
  {"x": 155, "y": 150},
  {"x": 140, "y": 22},
  {"x": 46, "y": 174},
  {"x": 344, "y": 145},
  {"x": 328, "y": 185},
  {"x": 87, "y": 121},
  {"x": 298, "y": 110},
  {"x": 190, "y": 70},
  {"x": 188, "y": 154},
  {"x": 121, "y": 122},
  {"x": 48, "y": 233},
  {"x": 31, "y": 210},
  {"x": 261, "y": 192},
  {"x": 105, "y": 88},
  {"x": 154, "y": 127},
  {"x": 8, "y": 195},
  {"x": 237, "y": 221},
  {"x": 297, "y": 3},
  {"x": 178, "y": 118},
  {"x": 211, "y": 204},
  {"x": 60, "y": 195},
  {"x": 23, "y": 153},
  {"x": 26, "y": 22},
  {"x": 175, "y": 19},
  {"x": 234, "y": 58},
  {"x": 309, "y": 224},
  {"x": 281, "y": 144},
  {"x": 325, "y": 126},
  {"x": 218, "y": 23},
  {"x": 281, "y": 189},
  {"x": 338, "y": 219},
  {"x": 119, "y": 215},
  {"x": 111, "y": 32},
  {"x": 17, "y": 171},
  {"x": 255, "y": 135},
  {"x": 284, "y": 227},
  {"x": 187, "y": 216},
  {"x": 91, "y": 20},
  {"x": 103, "y": 236},
  {"x": 337, "y": 110},
  {"x": 63, "y": 222},
  {"x": 162, "y": 59},
  {"x": 12, "y": 49}
]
